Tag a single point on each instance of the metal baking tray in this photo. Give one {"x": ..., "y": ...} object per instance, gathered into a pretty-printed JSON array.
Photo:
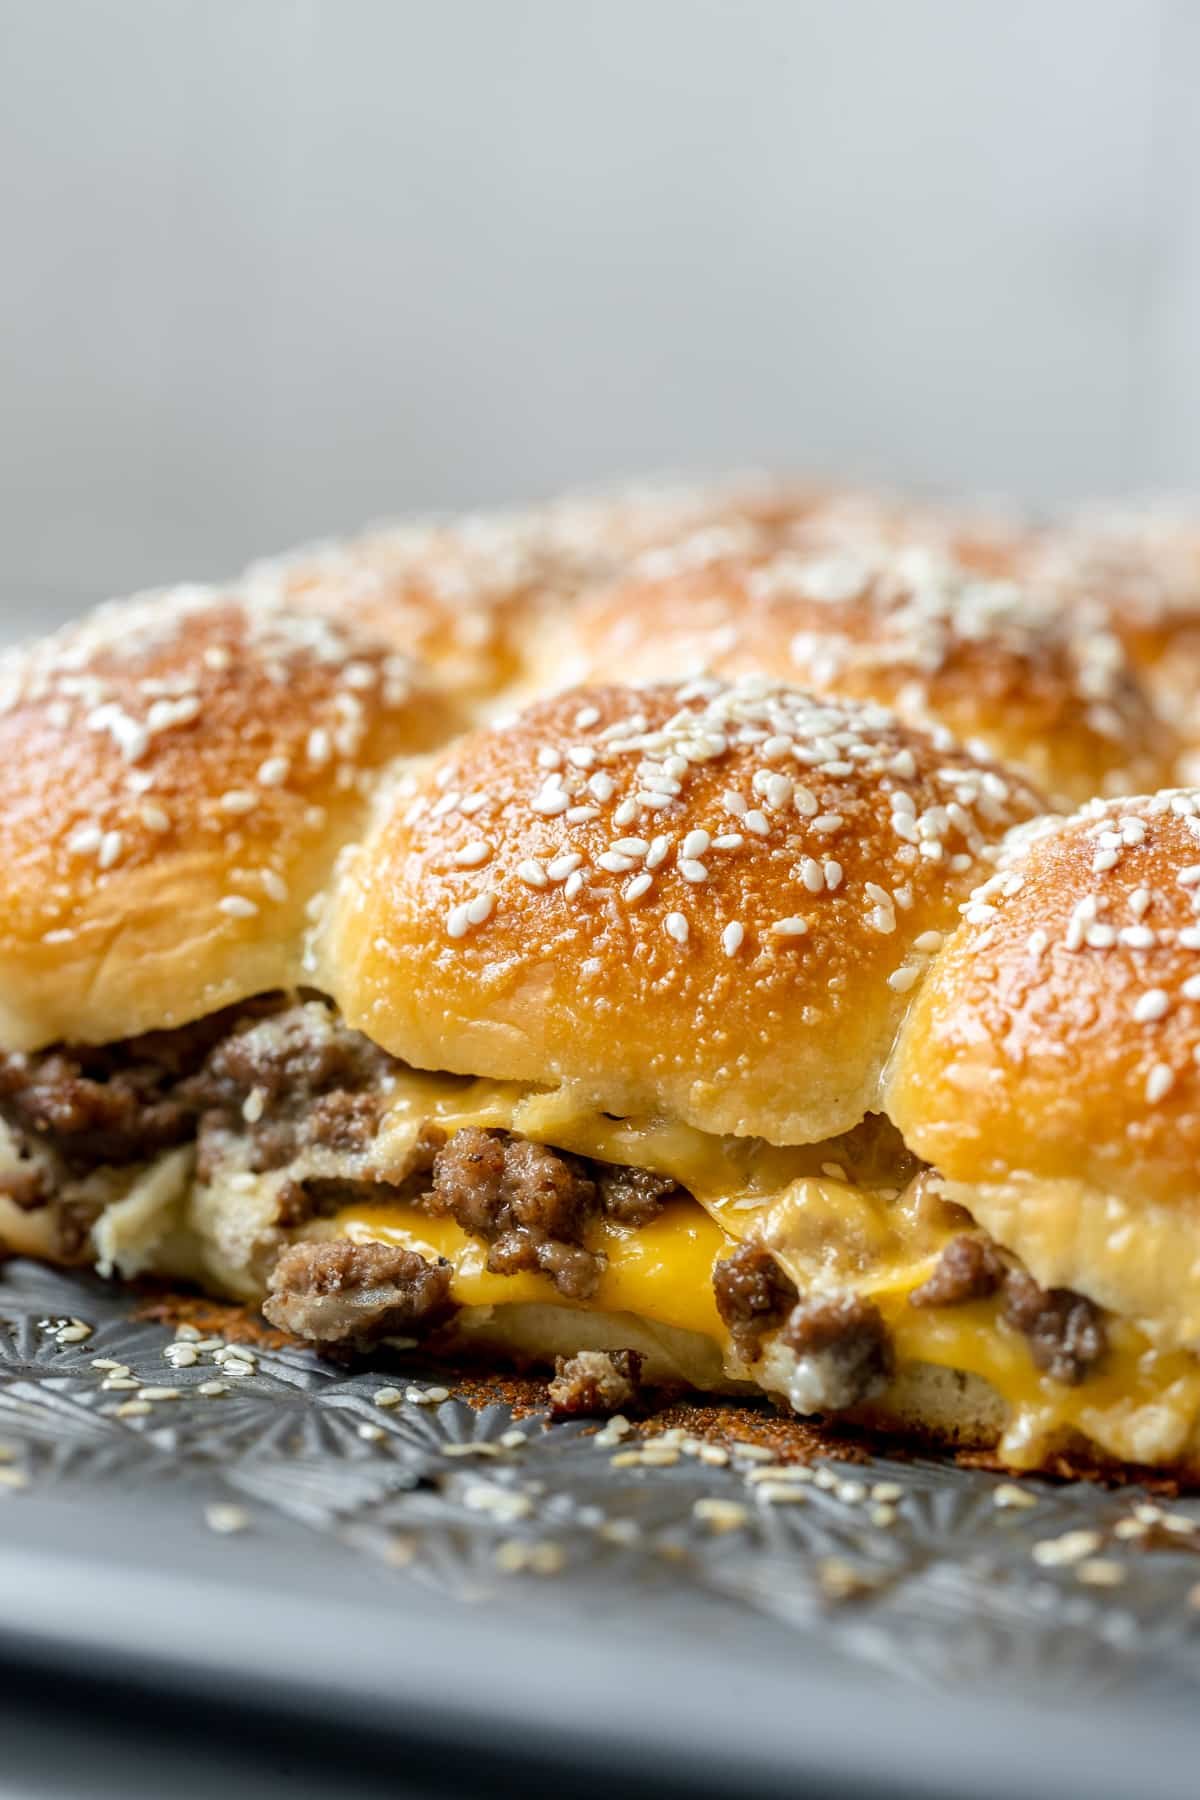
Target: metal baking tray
[{"x": 413, "y": 1574}]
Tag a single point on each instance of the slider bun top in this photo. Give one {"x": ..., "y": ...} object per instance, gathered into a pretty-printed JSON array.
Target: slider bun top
[
  {"x": 468, "y": 595},
  {"x": 1138, "y": 571},
  {"x": 706, "y": 900},
  {"x": 1057, "y": 1033},
  {"x": 177, "y": 775},
  {"x": 1032, "y": 684}
]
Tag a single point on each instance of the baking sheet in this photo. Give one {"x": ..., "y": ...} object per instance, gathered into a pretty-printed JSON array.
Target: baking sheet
[{"x": 420, "y": 1543}]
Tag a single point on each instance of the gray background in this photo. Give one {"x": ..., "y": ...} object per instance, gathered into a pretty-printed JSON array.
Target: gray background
[{"x": 272, "y": 267}]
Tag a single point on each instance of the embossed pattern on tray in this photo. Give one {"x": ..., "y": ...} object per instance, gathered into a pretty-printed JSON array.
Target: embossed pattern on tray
[{"x": 911, "y": 1565}]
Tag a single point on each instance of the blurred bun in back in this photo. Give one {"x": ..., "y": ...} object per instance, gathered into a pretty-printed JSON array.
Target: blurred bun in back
[{"x": 1026, "y": 682}]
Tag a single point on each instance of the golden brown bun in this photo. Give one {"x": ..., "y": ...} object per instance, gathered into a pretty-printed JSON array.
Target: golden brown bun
[
  {"x": 1048, "y": 1066},
  {"x": 1138, "y": 571},
  {"x": 1027, "y": 682},
  {"x": 468, "y": 596},
  {"x": 177, "y": 775},
  {"x": 746, "y": 979}
]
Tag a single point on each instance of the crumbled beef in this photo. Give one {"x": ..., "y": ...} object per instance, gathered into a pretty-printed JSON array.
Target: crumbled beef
[
  {"x": 969, "y": 1268},
  {"x": 315, "y": 1082},
  {"x": 753, "y": 1296},
  {"x": 842, "y": 1349},
  {"x": 344, "y": 1121},
  {"x": 260, "y": 1085},
  {"x": 529, "y": 1204},
  {"x": 100, "y": 1104},
  {"x": 342, "y": 1293},
  {"x": 27, "y": 1187},
  {"x": 291, "y": 1058},
  {"x": 595, "y": 1382},
  {"x": 91, "y": 1113},
  {"x": 1065, "y": 1332},
  {"x": 632, "y": 1196}
]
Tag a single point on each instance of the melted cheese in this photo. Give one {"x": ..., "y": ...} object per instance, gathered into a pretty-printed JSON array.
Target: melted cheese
[
  {"x": 1143, "y": 1405},
  {"x": 661, "y": 1271}
]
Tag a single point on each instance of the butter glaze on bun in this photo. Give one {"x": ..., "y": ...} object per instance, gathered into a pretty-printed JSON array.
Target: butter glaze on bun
[
  {"x": 1022, "y": 680},
  {"x": 705, "y": 900},
  {"x": 177, "y": 775}
]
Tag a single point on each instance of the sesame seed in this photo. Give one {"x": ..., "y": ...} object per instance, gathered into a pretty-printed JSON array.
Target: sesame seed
[
  {"x": 732, "y": 938},
  {"x": 550, "y": 800},
  {"x": 637, "y": 887},
  {"x": 676, "y": 926},
  {"x": 273, "y": 772},
  {"x": 225, "y": 1519},
  {"x": 1100, "y": 1572},
  {"x": 111, "y": 846},
  {"x": 615, "y": 863},
  {"x": 658, "y": 852},
  {"x": 756, "y": 822},
  {"x": 237, "y": 800},
  {"x": 254, "y": 1105},
  {"x": 1151, "y": 1006},
  {"x": 693, "y": 871},
  {"x": 905, "y": 977},
  {"x": 153, "y": 817},
  {"x": 472, "y": 854},
  {"x": 791, "y": 928},
  {"x": 532, "y": 873},
  {"x": 1071, "y": 1547},
  {"x": 694, "y": 844},
  {"x": 573, "y": 884},
  {"x": 237, "y": 906},
  {"x": 721, "y": 1515},
  {"x": 626, "y": 813},
  {"x": 1159, "y": 1082}
]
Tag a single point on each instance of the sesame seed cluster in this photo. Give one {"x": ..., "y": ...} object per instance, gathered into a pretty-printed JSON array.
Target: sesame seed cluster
[{"x": 1047, "y": 688}]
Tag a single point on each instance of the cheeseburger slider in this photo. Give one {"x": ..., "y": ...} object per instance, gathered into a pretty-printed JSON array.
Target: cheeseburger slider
[{"x": 696, "y": 1032}]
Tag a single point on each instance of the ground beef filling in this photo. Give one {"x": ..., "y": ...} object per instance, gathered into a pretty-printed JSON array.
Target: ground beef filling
[
  {"x": 595, "y": 1382},
  {"x": 265, "y": 1082},
  {"x": 532, "y": 1205},
  {"x": 1065, "y": 1332},
  {"x": 842, "y": 1349},
  {"x": 969, "y": 1268},
  {"x": 354, "y": 1294},
  {"x": 753, "y": 1296}
]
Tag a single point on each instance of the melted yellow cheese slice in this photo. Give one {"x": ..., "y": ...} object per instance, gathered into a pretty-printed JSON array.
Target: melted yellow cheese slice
[
  {"x": 830, "y": 1234},
  {"x": 661, "y": 1271}
]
